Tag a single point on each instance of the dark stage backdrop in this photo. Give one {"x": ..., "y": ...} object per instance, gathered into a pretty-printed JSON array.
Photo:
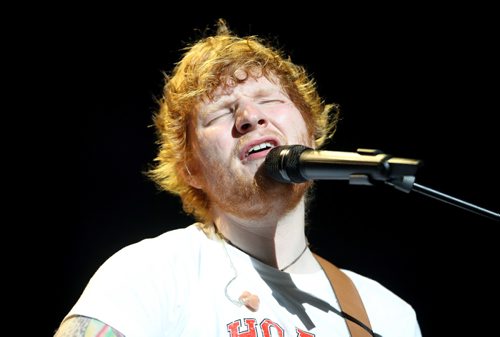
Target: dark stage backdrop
[{"x": 420, "y": 85}]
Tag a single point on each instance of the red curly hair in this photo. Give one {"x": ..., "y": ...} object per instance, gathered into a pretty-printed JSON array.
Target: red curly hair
[{"x": 209, "y": 63}]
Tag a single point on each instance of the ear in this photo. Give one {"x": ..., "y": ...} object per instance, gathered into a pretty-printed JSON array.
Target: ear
[
  {"x": 313, "y": 142},
  {"x": 191, "y": 176}
]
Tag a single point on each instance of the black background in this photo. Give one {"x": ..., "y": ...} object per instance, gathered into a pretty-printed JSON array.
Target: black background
[{"x": 416, "y": 83}]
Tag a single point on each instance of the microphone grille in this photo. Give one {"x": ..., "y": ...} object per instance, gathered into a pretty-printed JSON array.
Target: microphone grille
[{"x": 283, "y": 163}]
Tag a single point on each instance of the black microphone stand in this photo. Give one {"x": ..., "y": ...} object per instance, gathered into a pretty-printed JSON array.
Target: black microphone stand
[
  {"x": 407, "y": 184},
  {"x": 400, "y": 174}
]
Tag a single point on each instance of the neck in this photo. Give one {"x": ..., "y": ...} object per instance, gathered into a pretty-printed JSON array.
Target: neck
[{"x": 278, "y": 241}]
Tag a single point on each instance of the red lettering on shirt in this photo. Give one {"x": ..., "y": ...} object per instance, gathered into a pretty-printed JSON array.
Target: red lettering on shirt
[
  {"x": 302, "y": 333},
  {"x": 234, "y": 328},
  {"x": 266, "y": 326}
]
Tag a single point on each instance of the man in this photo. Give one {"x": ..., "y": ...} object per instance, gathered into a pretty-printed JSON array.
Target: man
[{"x": 245, "y": 268}]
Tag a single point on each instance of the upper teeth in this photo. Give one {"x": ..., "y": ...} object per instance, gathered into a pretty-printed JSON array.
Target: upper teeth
[{"x": 260, "y": 147}]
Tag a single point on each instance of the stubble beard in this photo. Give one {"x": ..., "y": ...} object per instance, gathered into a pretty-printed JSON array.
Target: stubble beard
[{"x": 253, "y": 197}]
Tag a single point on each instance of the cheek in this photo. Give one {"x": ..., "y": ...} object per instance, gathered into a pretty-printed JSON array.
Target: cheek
[
  {"x": 214, "y": 142},
  {"x": 292, "y": 124}
]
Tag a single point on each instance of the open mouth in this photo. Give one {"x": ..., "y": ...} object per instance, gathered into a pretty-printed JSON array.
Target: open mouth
[{"x": 259, "y": 148}]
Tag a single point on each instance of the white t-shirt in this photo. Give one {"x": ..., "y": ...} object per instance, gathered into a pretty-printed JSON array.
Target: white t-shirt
[{"x": 183, "y": 283}]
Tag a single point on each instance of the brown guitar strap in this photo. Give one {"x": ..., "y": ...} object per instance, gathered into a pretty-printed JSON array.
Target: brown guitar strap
[{"x": 350, "y": 303}]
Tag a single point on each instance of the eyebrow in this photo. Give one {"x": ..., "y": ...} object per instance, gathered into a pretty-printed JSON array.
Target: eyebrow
[
  {"x": 262, "y": 92},
  {"x": 224, "y": 100},
  {"x": 217, "y": 105}
]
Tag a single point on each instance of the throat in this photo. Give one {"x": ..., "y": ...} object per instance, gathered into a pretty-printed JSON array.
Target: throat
[
  {"x": 273, "y": 262},
  {"x": 296, "y": 259},
  {"x": 261, "y": 255}
]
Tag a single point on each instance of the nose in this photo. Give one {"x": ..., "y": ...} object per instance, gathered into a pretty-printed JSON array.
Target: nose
[{"x": 249, "y": 117}]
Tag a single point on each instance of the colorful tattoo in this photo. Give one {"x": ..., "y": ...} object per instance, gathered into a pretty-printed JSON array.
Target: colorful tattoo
[{"x": 80, "y": 326}]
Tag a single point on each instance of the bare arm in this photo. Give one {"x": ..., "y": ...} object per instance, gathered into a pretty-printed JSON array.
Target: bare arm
[{"x": 81, "y": 326}]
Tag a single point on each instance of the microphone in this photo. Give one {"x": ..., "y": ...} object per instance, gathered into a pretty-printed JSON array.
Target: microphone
[{"x": 298, "y": 163}]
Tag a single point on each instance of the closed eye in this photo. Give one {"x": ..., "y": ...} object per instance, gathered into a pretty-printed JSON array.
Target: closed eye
[
  {"x": 219, "y": 114},
  {"x": 271, "y": 101}
]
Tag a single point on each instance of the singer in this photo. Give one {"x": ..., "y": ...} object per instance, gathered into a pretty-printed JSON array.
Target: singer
[{"x": 245, "y": 268}]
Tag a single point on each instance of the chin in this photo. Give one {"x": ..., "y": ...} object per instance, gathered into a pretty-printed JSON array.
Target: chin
[{"x": 254, "y": 195}]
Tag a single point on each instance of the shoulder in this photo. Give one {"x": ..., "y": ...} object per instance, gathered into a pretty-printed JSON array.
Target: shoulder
[
  {"x": 167, "y": 246},
  {"x": 165, "y": 256},
  {"x": 386, "y": 310},
  {"x": 169, "y": 240},
  {"x": 374, "y": 293},
  {"x": 143, "y": 280}
]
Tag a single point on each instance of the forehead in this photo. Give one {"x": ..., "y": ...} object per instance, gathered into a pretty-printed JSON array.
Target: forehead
[{"x": 249, "y": 87}]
